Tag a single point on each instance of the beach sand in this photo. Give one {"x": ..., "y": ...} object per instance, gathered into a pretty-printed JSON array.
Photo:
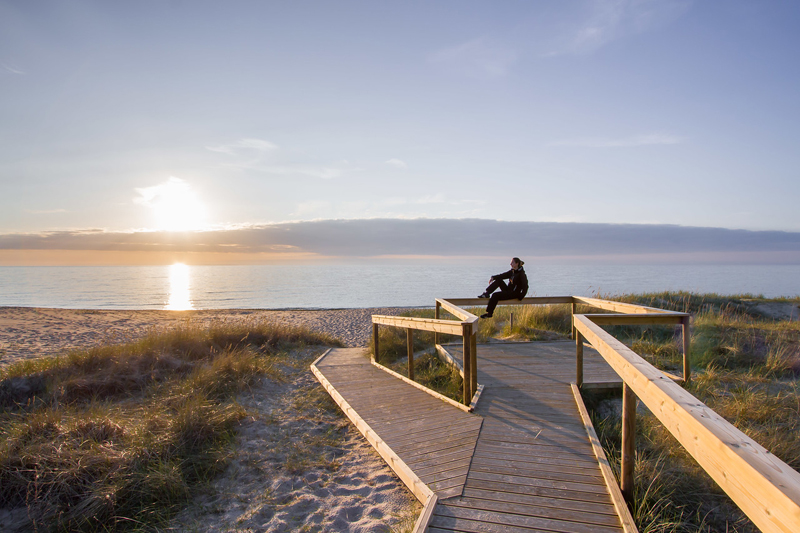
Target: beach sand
[
  {"x": 345, "y": 487},
  {"x": 31, "y": 332}
]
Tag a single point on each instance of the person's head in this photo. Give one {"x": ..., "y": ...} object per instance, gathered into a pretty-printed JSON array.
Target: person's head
[{"x": 516, "y": 262}]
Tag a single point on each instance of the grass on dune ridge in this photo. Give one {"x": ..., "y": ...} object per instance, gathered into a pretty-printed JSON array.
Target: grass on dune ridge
[{"x": 117, "y": 437}]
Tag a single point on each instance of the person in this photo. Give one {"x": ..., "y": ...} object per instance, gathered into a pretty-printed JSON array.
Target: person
[{"x": 516, "y": 288}]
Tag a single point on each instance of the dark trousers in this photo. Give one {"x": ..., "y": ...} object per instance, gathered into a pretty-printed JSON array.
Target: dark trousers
[{"x": 504, "y": 294}]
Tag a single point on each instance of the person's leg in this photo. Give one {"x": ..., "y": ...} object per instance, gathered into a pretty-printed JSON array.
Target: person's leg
[
  {"x": 496, "y": 297},
  {"x": 493, "y": 286}
]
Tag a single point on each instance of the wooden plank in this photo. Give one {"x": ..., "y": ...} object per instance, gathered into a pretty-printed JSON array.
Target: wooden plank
[
  {"x": 414, "y": 484},
  {"x": 453, "y": 309},
  {"x": 508, "y": 520},
  {"x": 450, "y": 327},
  {"x": 421, "y": 525},
  {"x": 539, "y": 501},
  {"x": 554, "y": 511},
  {"x": 536, "y": 490},
  {"x": 624, "y": 514},
  {"x": 638, "y": 319},
  {"x": 544, "y": 483},
  {"x": 621, "y": 307},
  {"x": 530, "y": 300},
  {"x": 558, "y": 474},
  {"x": 764, "y": 487},
  {"x": 425, "y": 389}
]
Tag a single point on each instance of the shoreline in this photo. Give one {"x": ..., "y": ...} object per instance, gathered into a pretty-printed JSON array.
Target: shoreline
[{"x": 33, "y": 332}]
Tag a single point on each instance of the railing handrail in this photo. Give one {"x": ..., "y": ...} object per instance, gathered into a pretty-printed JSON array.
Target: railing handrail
[{"x": 765, "y": 488}]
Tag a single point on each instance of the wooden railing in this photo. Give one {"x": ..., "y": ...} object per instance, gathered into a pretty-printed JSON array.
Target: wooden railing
[
  {"x": 466, "y": 327},
  {"x": 765, "y": 488}
]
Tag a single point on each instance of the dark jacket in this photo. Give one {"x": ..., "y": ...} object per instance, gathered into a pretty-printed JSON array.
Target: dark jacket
[{"x": 518, "y": 283}]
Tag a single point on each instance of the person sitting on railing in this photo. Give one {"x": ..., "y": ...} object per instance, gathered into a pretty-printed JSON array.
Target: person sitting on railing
[{"x": 517, "y": 286}]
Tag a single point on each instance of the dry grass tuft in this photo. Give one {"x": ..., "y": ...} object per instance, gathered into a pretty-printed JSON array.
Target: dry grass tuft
[{"x": 117, "y": 437}]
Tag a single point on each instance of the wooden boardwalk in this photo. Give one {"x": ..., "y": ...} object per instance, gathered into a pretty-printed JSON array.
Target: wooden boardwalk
[{"x": 521, "y": 462}]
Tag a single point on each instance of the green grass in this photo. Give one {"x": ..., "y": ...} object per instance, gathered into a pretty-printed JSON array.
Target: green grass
[
  {"x": 119, "y": 437},
  {"x": 745, "y": 367}
]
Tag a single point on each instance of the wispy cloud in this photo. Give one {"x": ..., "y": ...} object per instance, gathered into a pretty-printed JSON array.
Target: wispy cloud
[
  {"x": 12, "y": 70},
  {"x": 265, "y": 156},
  {"x": 479, "y": 57},
  {"x": 243, "y": 145},
  {"x": 398, "y": 163},
  {"x": 625, "y": 142},
  {"x": 45, "y": 211},
  {"x": 605, "y": 21}
]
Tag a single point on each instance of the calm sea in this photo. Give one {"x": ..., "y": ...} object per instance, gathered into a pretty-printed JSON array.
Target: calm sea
[{"x": 343, "y": 286}]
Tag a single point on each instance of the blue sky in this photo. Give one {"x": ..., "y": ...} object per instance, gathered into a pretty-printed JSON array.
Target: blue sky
[{"x": 635, "y": 112}]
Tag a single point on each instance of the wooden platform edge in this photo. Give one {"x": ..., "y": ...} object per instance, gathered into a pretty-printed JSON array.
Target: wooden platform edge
[
  {"x": 426, "y": 515},
  {"x": 423, "y": 388},
  {"x": 406, "y": 475},
  {"x": 448, "y": 359},
  {"x": 625, "y": 518},
  {"x": 474, "y": 403}
]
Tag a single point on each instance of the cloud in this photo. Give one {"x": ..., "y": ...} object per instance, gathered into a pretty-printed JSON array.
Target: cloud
[
  {"x": 625, "y": 142},
  {"x": 437, "y": 237},
  {"x": 241, "y": 145},
  {"x": 265, "y": 156},
  {"x": 605, "y": 21},
  {"x": 478, "y": 58},
  {"x": 11, "y": 70},
  {"x": 397, "y": 163},
  {"x": 46, "y": 211}
]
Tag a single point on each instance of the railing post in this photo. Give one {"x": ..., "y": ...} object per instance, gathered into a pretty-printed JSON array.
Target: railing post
[
  {"x": 511, "y": 321},
  {"x": 574, "y": 331},
  {"x": 410, "y": 343},
  {"x": 578, "y": 359},
  {"x": 436, "y": 316},
  {"x": 375, "y": 356},
  {"x": 467, "y": 363},
  {"x": 628, "y": 441},
  {"x": 473, "y": 355},
  {"x": 687, "y": 363}
]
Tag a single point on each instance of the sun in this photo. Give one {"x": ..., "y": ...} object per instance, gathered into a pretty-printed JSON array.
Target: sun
[{"x": 176, "y": 207}]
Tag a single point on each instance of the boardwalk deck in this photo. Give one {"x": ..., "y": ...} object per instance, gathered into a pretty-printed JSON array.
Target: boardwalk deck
[{"x": 521, "y": 462}]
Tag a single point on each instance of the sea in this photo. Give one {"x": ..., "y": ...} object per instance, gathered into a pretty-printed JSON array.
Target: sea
[{"x": 338, "y": 286}]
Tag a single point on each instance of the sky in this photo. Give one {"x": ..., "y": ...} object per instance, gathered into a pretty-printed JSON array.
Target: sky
[{"x": 167, "y": 117}]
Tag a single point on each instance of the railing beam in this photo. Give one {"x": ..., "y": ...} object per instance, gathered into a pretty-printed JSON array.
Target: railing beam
[
  {"x": 628, "y": 442},
  {"x": 687, "y": 361},
  {"x": 410, "y": 349},
  {"x": 578, "y": 359},
  {"x": 436, "y": 316},
  {"x": 375, "y": 344},
  {"x": 572, "y": 320},
  {"x": 467, "y": 363}
]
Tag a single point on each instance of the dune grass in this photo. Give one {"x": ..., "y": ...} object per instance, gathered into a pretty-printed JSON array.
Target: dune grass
[{"x": 118, "y": 437}]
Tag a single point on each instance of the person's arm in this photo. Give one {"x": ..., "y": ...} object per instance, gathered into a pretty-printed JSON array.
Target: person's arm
[{"x": 504, "y": 275}]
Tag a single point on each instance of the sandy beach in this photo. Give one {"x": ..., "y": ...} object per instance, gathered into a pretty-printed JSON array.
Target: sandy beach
[
  {"x": 31, "y": 332},
  {"x": 257, "y": 492}
]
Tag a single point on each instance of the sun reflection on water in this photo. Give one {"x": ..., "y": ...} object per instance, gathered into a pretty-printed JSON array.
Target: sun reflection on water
[{"x": 179, "y": 297}]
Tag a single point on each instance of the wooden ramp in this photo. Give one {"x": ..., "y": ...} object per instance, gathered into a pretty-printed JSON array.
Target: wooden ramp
[
  {"x": 432, "y": 438},
  {"x": 533, "y": 468},
  {"x": 521, "y": 462}
]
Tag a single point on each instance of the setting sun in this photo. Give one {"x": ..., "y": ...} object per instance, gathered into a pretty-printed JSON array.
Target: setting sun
[{"x": 176, "y": 207}]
